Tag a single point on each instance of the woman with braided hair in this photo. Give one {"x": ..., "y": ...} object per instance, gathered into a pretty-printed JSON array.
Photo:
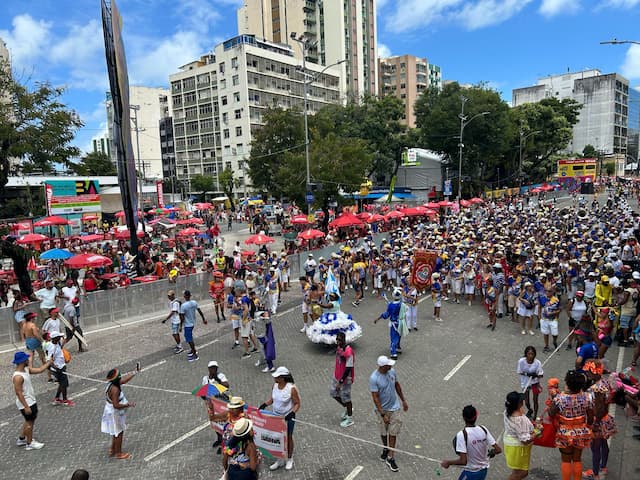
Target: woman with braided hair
[{"x": 114, "y": 420}]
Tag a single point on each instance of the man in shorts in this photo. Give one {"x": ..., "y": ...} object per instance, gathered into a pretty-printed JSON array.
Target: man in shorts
[
  {"x": 342, "y": 380},
  {"x": 549, "y": 311},
  {"x": 174, "y": 317},
  {"x": 26, "y": 398},
  {"x": 388, "y": 400},
  {"x": 188, "y": 311}
]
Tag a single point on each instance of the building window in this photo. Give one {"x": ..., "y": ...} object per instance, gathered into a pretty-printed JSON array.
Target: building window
[
  {"x": 238, "y": 114},
  {"x": 225, "y": 133},
  {"x": 227, "y": 165},
  {"x": 223, "y": 100},
  {"x": 204, "y": 109},
  {"x": 221, "y": 68},
  {"x": 234, "y": 62},
  {"x": 223, "y": 84},
  {"x": 225, "y": 118},
  {"x": 403, "y": 86},
  {"x": 235, "y": 80},
  {"x": 238, "y": 131},
  {"x": 236, "y": 97}
]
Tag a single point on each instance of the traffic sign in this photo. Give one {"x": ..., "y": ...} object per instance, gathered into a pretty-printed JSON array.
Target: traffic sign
[
  {"x": 309, "y": 198},
  {"x": 447, "y": 187}
]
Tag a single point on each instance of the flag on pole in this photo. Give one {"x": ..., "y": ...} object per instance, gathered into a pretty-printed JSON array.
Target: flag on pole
[{"x": 331, "y": 285}]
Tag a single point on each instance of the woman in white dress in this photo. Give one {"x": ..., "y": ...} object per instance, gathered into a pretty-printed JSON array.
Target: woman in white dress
[{"x": 114, "y": 420}]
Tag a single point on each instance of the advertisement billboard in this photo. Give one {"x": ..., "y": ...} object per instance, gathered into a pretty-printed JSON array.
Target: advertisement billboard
[{"x": 72, "y": 196}]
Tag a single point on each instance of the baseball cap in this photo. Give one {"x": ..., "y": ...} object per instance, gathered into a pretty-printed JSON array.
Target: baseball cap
[
  {"x": 53, "y": 335},
  {"x": 384, "y": 361},
  {"x": 20, "y": 357},
  {"x": 280, "y": 372},
  {"x": 212, "y": 363}
]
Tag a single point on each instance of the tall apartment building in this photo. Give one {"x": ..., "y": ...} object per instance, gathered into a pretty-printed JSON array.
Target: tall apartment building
[
  {"x": 5, "y": 58},
  {"x": 167, "y": 146},
  {"x": 102, "y": 144},
  {"x": 406, "y": 77},
  {"x": 603, "y": 120},
  {"x": 218, "y": 102},
  {"x": 334, "y": 30},
  {"x": 147, "y": 101}
]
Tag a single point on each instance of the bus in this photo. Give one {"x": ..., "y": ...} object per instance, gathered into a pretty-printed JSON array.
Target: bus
[{"x": 578, "y": 170}]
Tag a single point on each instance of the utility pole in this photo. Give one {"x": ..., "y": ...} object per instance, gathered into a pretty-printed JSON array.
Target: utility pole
[
  {"x": 141, "y": 169},
  {"x": 463, "y": 124}
]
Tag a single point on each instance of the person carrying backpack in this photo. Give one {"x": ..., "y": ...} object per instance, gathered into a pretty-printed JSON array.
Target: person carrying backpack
[{"x": 475, "y": 446}]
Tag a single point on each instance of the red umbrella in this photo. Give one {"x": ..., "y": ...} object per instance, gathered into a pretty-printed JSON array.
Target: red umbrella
[
  {"x": 435, "y": 205},
  {"x": 445, "y": 203},
  {"x": 89, "y": 218},
  {"x": 189, "y": 231},
  {"x": 345, "y": 219},
  {"x": 259, "y": 239},
  {"x": 124, "y": 234},
  {"x": 300, "y": 220},
  {"x": 465, "y": 203},
  {"x": 50, "y": 221},
  {"x": 32, "y": 238},
  {"x": 94, "y": 237},
  {"x": 120, "y": 214},
  {"x": 375, "y": 217},
  {"x": 394, "y": 214},
  {"x": 476, "y": 200},
  {"x": 202, "y": 206},
  {"x": 88, "y": 260},
  {"x": 311, "y": 234}
]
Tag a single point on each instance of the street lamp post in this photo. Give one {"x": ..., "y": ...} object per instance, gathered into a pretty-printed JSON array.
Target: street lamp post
[
  {"x": 523, "y": 138},
  {"x": 463, "y": 123},
  {"x": 305, "y": 46}
]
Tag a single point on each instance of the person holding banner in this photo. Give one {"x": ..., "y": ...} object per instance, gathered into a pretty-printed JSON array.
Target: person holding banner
[
  {"x": 286, "y": 403},
  {"x": 240, "y": 459}
]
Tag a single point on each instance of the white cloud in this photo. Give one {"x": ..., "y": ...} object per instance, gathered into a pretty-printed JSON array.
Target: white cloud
[
  {"x": 412, "y": 14},
  {"x": 81, "y": 44},
  {"x": 383, "y": 51},
  {"x": 551, "y": 8},
  {"x": 27, "y": 41},
  {"x": 631, "y": 66},
  {"x": 620, "y": 3}
]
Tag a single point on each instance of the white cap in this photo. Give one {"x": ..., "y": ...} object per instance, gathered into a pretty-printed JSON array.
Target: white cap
[
  {"x": 636, "y": 275},
  {"x": 54, "y": 334},
  {"x": 212, "y": 363},
  {"x": 311, "y": 254},
  {"x": 280, "y": 372},
  {"x": 383, "y": 361}
]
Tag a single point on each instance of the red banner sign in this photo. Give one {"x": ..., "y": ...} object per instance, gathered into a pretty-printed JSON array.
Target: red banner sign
[
  {"x": 160, "y": 192},
  {"x": 49, "y": 190},
  {"x": 423, "y": 263}
]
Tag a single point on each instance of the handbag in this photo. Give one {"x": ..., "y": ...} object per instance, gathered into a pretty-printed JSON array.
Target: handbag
[{"x": 547, "y": 428}]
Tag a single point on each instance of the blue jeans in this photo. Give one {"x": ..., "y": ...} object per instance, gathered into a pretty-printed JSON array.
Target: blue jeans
[
  {"x": 479, "y": 475},
  {"x": 394, "y": 336}
]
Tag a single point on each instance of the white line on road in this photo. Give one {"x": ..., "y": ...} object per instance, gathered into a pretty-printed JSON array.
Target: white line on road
[
  {"x": 457, "y": 367},
  {"x": 208, "y": 343},
  {"x": 149, "y": 367},
  {"x": 176, "y": 442},
  {"x": 354, "y": 473},
  {"x": 619, "y": 363},
  {"x": 85, "y": 392}
]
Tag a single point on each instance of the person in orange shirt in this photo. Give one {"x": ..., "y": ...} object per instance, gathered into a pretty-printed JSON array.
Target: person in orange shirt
[{"x": 216, "y": 290}]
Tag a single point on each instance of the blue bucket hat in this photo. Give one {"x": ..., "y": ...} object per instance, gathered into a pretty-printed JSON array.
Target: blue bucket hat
[{"x": 20, "y": 357}]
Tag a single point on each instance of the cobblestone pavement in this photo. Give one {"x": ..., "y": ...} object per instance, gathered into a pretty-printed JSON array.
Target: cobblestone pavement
[{"x": 176, "y": 421}]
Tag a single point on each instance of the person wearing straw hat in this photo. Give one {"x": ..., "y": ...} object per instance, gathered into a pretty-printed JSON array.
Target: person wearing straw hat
[
  {"x": 26, "y": 397},
  {"x": 240, "y": 459},
  {"x": 114, "y": 420}
]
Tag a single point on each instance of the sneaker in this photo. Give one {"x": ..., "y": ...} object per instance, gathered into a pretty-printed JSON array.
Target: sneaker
[
  {"x": 276, "y": 465},
  {"x": 193, "y": 358},
  {"x": 272, "y": 369},
  {"x": 289, "y": 464},
  {"x": 385, "y": 452},
  {"x": 69, "y": 403},
  {"x": 265, "y": 369},
  {"x": 391, "y": 463},
  {"x": 588, "y": 474},
  {"x": 354, "y": 304},
  {"x": 438, "y": 319},
  {"x": 531, "y": 332},
  {"x": 303, "y": 329},
  {"x": 347, "y": 422},
  {"x": 523, "y": 332},
  {"x": 34, "y": 445},
  {"x": 344, "y": 415},
  {"x": 21, "y": 442},
  {"x": 246, "y": 355},
  {"x": 235, "y": 344},
  {"x": 178, "y": 349},
  {"x": 555, "y": 345},
  {"x": 254, "y": 350},
  {"x": 415, "y": 328},
  {"x": 546, "y": 350},
  {"x": 394, "y": 357},
  {"x": 56, "y": 401}
]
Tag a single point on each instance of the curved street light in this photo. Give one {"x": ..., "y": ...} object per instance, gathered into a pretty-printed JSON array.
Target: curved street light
[{"x": 463, "y": 123}]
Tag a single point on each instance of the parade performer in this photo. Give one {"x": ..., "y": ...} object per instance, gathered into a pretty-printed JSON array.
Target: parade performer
[
  {"x": 394, "y": 314},
  {"x": 334, "y": 320}
]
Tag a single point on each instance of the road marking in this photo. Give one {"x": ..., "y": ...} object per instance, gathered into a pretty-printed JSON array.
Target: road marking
[
  {"x": 209, "y": 343},
  {"x": 84, "y": 392},
  {"x": 4, "y": 424},
  {"x": 149, "y": 367},
  {"x": 354, "y": 473},
  {"x": 176, "y": 442},
  {"x": 619, "y": 363},
  {"x": 457, "y": 367}
]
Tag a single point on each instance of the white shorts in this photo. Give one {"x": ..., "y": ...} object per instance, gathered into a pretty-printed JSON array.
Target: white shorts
[
  {"x": 457, "y": 286},
  {"x": 469, "y": 289},
  {"x": 549, "y": 327},
  {"x": 235, "y": 322},
  {"x": 305, "y": 308}
]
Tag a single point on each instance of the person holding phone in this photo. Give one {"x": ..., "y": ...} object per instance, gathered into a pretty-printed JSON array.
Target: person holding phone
[{"x": 114, "y": 420}]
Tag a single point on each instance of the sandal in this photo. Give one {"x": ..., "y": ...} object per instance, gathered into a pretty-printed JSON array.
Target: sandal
[
  {"x": 123, "y": 456},
  {"x": 110, "y": 452},
  {"x": 634, "y": 364}
]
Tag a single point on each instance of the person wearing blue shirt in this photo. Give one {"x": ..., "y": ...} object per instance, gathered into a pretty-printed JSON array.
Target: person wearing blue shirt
[
  {"x": 388, "y": 400},
  {"x": 188, "y": 311},
  {"x": 587, "y": 348},
  {"x": 392, "y": 313}
]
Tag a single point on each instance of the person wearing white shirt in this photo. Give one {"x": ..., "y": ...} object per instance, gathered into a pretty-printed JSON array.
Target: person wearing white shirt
[
  {"x": 59, "y": 368},
  {"x": 47, "y": 296}
]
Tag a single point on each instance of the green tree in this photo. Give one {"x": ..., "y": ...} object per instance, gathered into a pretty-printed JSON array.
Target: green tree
[
  {"x": 589, "y": 151},
  {"x": 203, "y": 184},
  {"x": 488, "y": 139},
  {"x": 20, "y": 257},
  {"x": 553, "y": 120},
  {"x": 34, "y": 127},
  {"x": 94, "y": 164},
  {"x": 226, "y": 184}
]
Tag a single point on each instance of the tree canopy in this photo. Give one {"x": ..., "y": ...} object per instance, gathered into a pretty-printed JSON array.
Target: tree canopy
[
  {"x": 94, "y": 164},
  {"x": 203, "y": 184},
  {"x": 35, "y": 127}
]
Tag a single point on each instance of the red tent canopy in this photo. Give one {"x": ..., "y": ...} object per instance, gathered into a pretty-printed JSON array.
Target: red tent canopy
[
  {"x": 300, "y": 220},
  {"x": 476, "y": 200},
  {"x": 88, "y": 260},
  {"x": 345, "y": 219},
  {"x": 259, "y": 239},
  {"x": 465, "y": 203},
  {"x": 51, "y": 220},
  {"x": 124, "y": 234},
  {"x": 435, "y": 205},
  {"x": 189, "y": 231},
  {"x": 94, "y": 237},
  {"x": 32, "y": 238},
  {"x": 310, "y": 234},
  {"x": 394, "y": 214},
  {"x": 445, "y": 203},
  {"x": 375, "y": 217}
]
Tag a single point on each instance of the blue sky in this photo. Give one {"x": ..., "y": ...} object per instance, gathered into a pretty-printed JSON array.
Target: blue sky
[{"x": 506, "y": 43}]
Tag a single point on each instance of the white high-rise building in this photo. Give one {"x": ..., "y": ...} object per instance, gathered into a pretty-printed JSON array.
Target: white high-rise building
[
  {"x": 603, "y": 119},
  {"x": 334, "y": 30},
  {"x": 218, "y": 102}
]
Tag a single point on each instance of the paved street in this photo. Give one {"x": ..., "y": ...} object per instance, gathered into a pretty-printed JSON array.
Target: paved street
[{"x": 161, "y": 419}]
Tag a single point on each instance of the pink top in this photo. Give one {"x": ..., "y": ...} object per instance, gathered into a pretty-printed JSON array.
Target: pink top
[{"x": 344, "y": 358}]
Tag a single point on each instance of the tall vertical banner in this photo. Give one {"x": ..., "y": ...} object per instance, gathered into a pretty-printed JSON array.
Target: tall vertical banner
[
  {"x": 424, "y": 262},
  {"x": 160, "y": 192},
  {"x": 49, "y": 195},
  {"x": 119, "y": 86}
]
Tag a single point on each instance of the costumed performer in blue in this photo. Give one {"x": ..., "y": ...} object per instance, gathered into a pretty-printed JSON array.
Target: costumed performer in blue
[
  {"x": 395, "y": 313},
  {"x": 333, "y": 320},
  {"x": 264, "y": 332}
]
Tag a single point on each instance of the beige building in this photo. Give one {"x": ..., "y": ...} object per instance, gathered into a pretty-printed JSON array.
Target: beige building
[
  {"x": 334, "y": 30},
  {"x": 4, "y": 54},
  {"x": 406, "y": 77}
]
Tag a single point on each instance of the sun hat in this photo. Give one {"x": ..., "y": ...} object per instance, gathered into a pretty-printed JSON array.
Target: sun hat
[
  {"x": 280, "y": 372},
  {"x": 20, "y": 357},
  {"x": 235, "y": 402},
  {"x": 384, "y": 361},
  {"x": 242, "y": 427}
]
